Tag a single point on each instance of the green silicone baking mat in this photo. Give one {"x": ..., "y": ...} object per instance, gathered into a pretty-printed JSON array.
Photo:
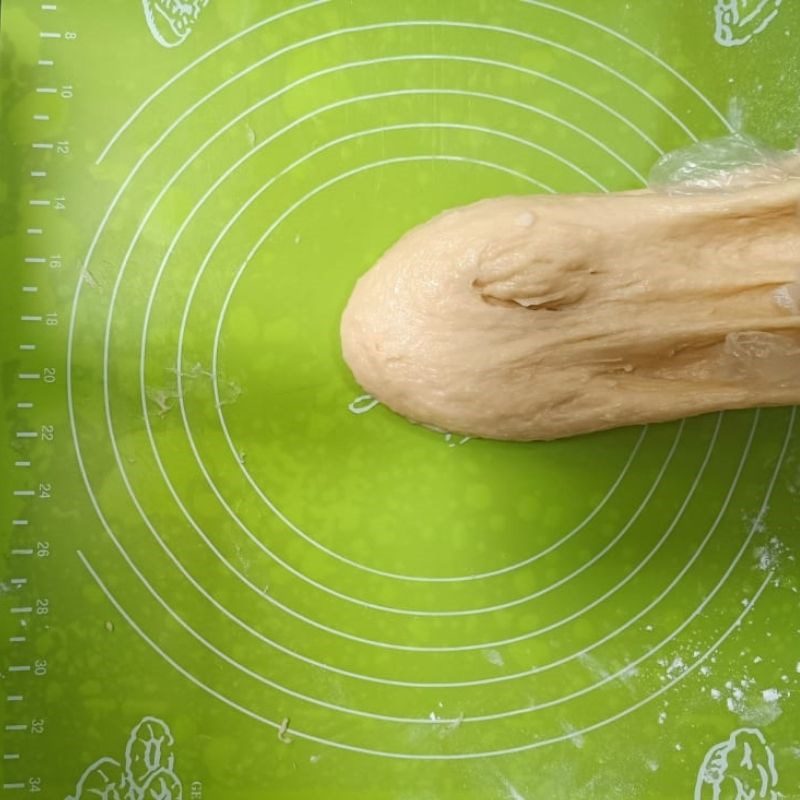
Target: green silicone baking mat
[{"x": 226, "y": 572}]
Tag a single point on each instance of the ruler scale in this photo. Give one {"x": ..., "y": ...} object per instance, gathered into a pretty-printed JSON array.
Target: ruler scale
[{"x": 26, "y": 747}]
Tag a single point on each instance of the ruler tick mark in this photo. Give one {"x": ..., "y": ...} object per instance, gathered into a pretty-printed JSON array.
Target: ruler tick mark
[
  {"x": 19, "y": 668},
  {"x": 35, "y": 260},
  {"x": 10, "y": 756},
  {"x": 46, "y": 90},
  {"x": 30, "y": 289},
  {"x": 38, "y": 202},
  {"x": 21, "y": 609},
  {"x": 42, "y": 145},
  {"x": 49, "y": 6},
  {"x": 38, "y": 173},
  {"x": 35, "y": 231},
  {"x": 30, "y": 376},
  {"x": 17, "y": 727},
  {"x": 22, "y": 551},
  {"x": 22, "y": 463},
  {"x": 30, "y": 318},
  {"x": 49, "y": 35},
  {"x": 17, "y": 639},
  {"x": 45, "y": 62},
  {"x": 27, "y": 347},
  {"x": 24, "y": 493},
  {"x": 14, "y": 698},
  {"x": 24, "y": 405},
  {"x": 13, "y": 785},
  {"x": 27, "y": 435},
  {"x": 20, "y": 523},
  {"x": 41, "y": 117}
]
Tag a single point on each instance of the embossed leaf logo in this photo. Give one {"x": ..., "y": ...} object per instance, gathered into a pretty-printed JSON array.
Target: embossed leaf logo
[
  {"x": 738, "y": 21},
  {"x": 171, "y": 21},
  {"x": 146, "y": 771},
  {"x": 741, "y": 768}
]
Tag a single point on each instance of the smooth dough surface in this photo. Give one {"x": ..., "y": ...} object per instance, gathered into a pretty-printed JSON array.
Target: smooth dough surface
[{"x": 541, "y": 317}]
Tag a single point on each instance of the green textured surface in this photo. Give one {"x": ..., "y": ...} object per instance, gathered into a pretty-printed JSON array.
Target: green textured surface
[{"x": 227, "y": 546}]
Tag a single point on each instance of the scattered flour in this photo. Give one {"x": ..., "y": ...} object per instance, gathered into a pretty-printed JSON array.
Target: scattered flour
[
  {"x": 494, "y": 657},
  {"x": 748, "y": 703},
  {"x": 771, "y": 555},
  {"x": 771, "y": 695},
  {"x": 575, "y": 738}
]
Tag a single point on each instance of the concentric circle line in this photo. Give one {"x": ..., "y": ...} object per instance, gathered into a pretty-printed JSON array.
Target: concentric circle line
[
  {"x": 535, "y": 73},
  {"x": 356, "y": 712},
  {"x": 141, "y": 378},
  {"x": 272, "y": 599},
  {"x": 643, "y": 50},
  {"x": 264, "y": 548},
  {"x": 389, "y": 574},
  {"x": 179, "y": 372},
  {"x": 424, "y": 756},
  {"x": 638, "y": 568},
  {"x": 265, "y": 498},
  {"x": 215, "y": 371},
  {"x": 439, "y": 685},
  {"x": 161, "y": 194},
  {"x": 212, "y": 373},
  {"x": 755, "y": 526},
  {"x": 407, "y": 23},
  {"x": 246, "y": 581},
  {"x": 653, "y": 603},
  {"x": 122, "y": 270},
  {"x": 573, "y": 733},
  {"x": 391, "y": 718},
  {"x": 541, "y": 668},
  {"x": 170, "y": 249},
  {"x": 189, "y": 67},
  {"x": 382, "y": 26},
  {"x": 634, "y": 663},
  {"x": 510, "y": 603}
]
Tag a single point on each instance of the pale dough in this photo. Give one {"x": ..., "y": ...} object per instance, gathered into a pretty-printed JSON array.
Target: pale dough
[{"x": 541, "y": 317}]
